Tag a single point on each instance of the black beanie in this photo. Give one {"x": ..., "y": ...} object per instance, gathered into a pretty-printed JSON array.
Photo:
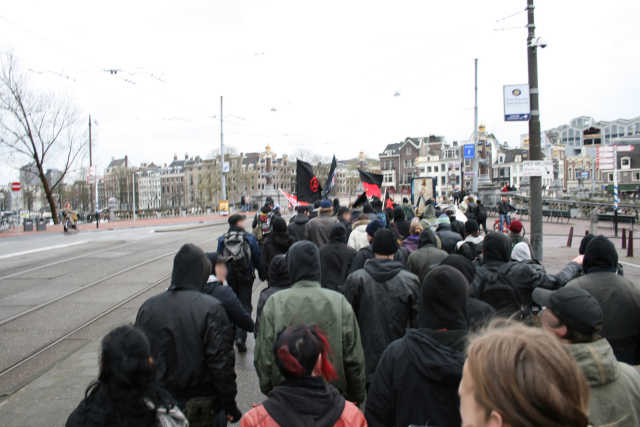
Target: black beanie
[
  {"x": 405, "y": 200},
  {"x": 343, "y": 210},
  {"x": 279, "y": 225},
  {"x": 367, "y": 208},
  {"x": 601, "y": 254},
  {"x": 462, "y": 264},
  {"x": 384, "y": 242},
  {"x": 496, "y": 247},
  {"x": 471, "y": 226},
  {"x": 443, "y": 303},
  {"x": 585, "y": 241},
  {"x": 317, "y": 204}
]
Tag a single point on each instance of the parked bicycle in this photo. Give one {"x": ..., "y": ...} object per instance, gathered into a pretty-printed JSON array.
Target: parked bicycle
[{"x": 7, "y": 224}]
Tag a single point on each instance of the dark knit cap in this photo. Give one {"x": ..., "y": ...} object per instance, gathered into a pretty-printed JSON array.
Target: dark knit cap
[
  {"x": 279, "y": 225},
  {"x": 443, "y": 303},
  {"x": 343, "y": 210},
  {"x": 374, "y": 226},
  {"x": 317, "y": 204},
  {"x": 235, "y": 218},
  {"x": 471, "y": 226},
  {"x": 585, "y": 241},
  {"x": 405, "y": 200},
  {"x": 384, "y": 242},
  {"x": 600, "y": 254},
  {"x": 367, "y": 208}
]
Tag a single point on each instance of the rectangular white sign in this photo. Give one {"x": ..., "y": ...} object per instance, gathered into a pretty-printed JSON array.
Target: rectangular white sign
[
  {"x": 622, "y": 148},
  {"x": 541, "y": 168},
  {"x": 517, "y": 103}
]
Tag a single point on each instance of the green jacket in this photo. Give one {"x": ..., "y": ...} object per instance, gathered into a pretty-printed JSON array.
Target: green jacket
[
  {"x": 615, "y": 386},
  {"x": 308, "y": 302}
]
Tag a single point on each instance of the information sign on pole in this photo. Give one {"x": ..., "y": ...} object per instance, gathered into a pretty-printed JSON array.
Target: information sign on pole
[
  {"x": 541, "y": 168},
  {"x": 517, "y": 103},
  {"x": 469, "y": 150}
]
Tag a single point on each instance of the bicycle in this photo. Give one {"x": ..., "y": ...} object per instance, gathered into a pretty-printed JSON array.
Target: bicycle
[
  {"x": 505, "y": 227},
  {"x": 7, "y": 224}
]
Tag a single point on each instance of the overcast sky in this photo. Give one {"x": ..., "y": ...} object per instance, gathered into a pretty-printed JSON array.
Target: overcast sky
[{"x": 330, "y": 69}]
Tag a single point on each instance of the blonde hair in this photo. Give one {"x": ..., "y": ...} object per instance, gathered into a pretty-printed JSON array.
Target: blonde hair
[
  {"x": 415, "y": 227},
  {"x": 527, "y": 376}
]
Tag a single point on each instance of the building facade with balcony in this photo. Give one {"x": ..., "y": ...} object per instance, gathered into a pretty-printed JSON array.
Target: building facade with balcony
[
  {"x": 398, "y": 165},
  {"x": 443, "y": 163}
]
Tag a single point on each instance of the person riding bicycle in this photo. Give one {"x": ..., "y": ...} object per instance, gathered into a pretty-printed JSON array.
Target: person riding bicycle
[
  {"x": 70, "y": 215},
  {"x": 503, "y": 209}
]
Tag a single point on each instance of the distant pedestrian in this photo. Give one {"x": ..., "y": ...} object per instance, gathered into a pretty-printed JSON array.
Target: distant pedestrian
[
  {"x": 366, "y": 253},
  {"x": 277, "y": 242},
  {"x": 263, "y": 220},
  {"x": 242, "y": 203},
  {"x": 574, "y": 317},
  {"x": 302, "y": 355},
  {"x": 471, "y": 246},
  {"x": 409, "y": 211},
  {"x": 344, "y": 216},
  {"x": 244, "y": 250},
  {"x": 448, "y": 237},
  {"x": 411, "y": 242},
  {"x": 471, "y": 207},
  {"x": 384, "y": 298},
  {"x": 480, "y": 215},
  {"x": 318, "y": 230},
  {"x": 278, "y": 281},
  {"x": 457, "y": 226},
  {"x": 307, "y": 302},
  {"x": 429, "y": 218},
  {"x": 504, "y": 207},
  {"x": 315, "y": 210},
  {"x": 427, "y": 256},
  {"x": 126, "y": 392},
  {"x": 298, "y": 224},
  {"x": 368, "y": 209},
  {"x": 400, "y": 224},
  {"x": 336, "y": 206},
  {"x": 516, "y": 234},
  {"x": 336, "y": 258},
  {"x": 191, "y": 340},
  {"x": 358, "y": 237}
]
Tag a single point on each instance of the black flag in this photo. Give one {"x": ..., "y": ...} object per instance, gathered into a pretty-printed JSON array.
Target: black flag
[
  {"x": 308, "y": 187},
  {"x": 331, "y": 178},
  {"x": 372, "y": 183},
  {"x": 361, "y": 200}
]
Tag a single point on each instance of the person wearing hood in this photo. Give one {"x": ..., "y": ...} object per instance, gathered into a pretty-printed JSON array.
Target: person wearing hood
[
  {"x": 418, "y": 376},
  {"x": 298, "y": 224},
  {"x": 216, "y": 288},
  {"x": 574, "y": 317},
  {"x": 384, "y": 298},
  {"x": 358, "y": 237},
  {"x": 241, "y": 279},
  {"x": 278, "y": 281},
  {"x": 517, "y": 235},
  {"x": 496, "y": 258},
  {"x": 277, "y": 243},
  {"x": 366, "y": 253},
  {"x": 336, "y": 258},
  {"x": 303, "y": 357},
  {"x": 456, "y": 225},
  {"x": 368, "y": 209},
  {"x": 411, "y": 242},
  {"x": 344, "y": 216},
  {"x": 318, "y": 230},
  {"x": 471, "y": 246},
  {"x": 471, "y": 208},
  {"x": 574, "y": 269},
  {"x": 521, "y": 253},
  {"x": 336, "y": 206},
  {"x": 263, "y": 220},
  {"x": 429, "y": 219},
  {"x": 448, "y": 237},
  {"x": 400, "y": 224},
  {"x": 479, "y": 312},
  {"x": 427, "y": 256},
  {"x": 480, "y": 215},
  {"x": 193, "y": 346},
  {"x": 381, "y": 214},
  {"x": 409, "y": 211},
  {"x": 307, "y": 302},
  {"x": 316, "y": 209},
  {"x": 619, "y": 299}
]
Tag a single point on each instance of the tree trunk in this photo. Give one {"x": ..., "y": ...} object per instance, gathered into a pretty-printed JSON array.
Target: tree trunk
[{"x": 48, "y": 193}]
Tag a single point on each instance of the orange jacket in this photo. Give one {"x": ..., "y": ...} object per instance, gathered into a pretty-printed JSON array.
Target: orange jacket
[{"x": 259, "y": 417}]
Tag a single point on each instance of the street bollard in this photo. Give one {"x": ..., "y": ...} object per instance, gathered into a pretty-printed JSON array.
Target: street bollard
[
  {"x": 624, "y": 238},
  {"x": 630, "y": 246},
  {"x": 570, "y": 239}
]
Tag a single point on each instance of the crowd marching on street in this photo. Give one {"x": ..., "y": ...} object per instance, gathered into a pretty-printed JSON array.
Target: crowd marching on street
[{"x": 378, "y": 315}]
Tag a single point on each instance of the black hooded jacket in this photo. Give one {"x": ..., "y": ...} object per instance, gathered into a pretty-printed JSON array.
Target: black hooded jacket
[
  {"x": 366, "y": 253},
  {"x": 448, "y": 238},
  {"x": 384, "y": 298},
  {"x": 190, "y": 334},
  {"x": 400, "y": 224},
  {"x": 297, "y": 226},
  {"x": 278, "y": 280},
  {"x": 277, "y": 243},
  {"x": 336, "y": 258},
  {"x": 427, "y": 256},
  {"x": 418, "y": 376}
]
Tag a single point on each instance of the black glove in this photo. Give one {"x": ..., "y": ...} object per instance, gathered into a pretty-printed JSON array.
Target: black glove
[{"x": 235, "y": 413}]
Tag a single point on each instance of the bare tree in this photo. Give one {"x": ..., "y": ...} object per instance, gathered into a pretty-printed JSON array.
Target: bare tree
[{"x": 42, "y": 126}]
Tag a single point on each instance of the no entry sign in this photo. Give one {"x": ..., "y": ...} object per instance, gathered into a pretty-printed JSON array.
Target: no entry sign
[{"x": 15, "y": 186}]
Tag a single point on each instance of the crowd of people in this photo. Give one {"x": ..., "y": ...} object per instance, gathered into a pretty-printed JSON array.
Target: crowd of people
[{"x": 375, "y": 316}]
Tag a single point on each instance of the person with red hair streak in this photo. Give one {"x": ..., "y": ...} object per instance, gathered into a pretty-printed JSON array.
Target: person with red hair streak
[{"x": 303, "y": 356}]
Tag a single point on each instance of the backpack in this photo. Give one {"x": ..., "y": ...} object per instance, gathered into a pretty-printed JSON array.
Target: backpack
[
  {"x": 502, "y": 295},
  {"x": 407, "y": 213},
  {"x": 238, "y": 248},
  {"x": 482, "y": 213}
]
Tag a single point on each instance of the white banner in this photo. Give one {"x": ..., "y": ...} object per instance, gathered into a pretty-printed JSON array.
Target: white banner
[
  {"x": 517, "y": 103},
  {"x": 541, "y": 168}
]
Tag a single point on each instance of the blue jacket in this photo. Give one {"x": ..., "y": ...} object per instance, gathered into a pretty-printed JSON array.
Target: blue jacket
[{"x": 255, "y": 252}]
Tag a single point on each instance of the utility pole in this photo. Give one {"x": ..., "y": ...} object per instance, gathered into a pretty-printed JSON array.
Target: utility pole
[
  {"x": 222, "y": 179},
  {"x": 535, "y": 152},
  {"x": 475, "y": 137},
  {"x": 91, "y": 199},
  {"x": 133, "y": 202}
]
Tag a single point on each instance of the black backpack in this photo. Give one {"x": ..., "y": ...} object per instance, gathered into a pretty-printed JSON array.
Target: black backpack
[
  {"x": 503, "y": 296},
  {"x": 482, "y": 213},
  {"x": 238, "y": 248}
]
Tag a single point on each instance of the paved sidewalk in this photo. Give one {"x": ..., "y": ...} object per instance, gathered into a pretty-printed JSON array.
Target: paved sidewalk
[{"x": 151, "y": 222}]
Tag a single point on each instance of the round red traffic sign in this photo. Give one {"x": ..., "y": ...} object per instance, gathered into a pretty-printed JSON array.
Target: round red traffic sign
[{"x": 15, "y": 186}]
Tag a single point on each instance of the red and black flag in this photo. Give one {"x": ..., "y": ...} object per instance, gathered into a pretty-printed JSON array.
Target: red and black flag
[
  {"x": 372, "y": 182},
  {"x": 309, "y": 189}
]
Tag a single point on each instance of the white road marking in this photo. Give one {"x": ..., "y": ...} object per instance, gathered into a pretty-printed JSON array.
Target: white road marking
[
  {"x": 43, "y": 249},
  {"x": 628, "y": 263}
]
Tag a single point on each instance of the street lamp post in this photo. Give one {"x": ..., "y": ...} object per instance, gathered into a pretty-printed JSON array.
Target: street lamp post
[{"x": 535, "y": 151}]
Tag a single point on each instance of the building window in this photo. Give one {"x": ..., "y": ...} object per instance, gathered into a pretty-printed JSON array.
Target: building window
[
  {"x": 610, "y": 177},
  {"x": 625, "y": 163},
  {"x": 444, "y": 180},
  {"x": 495, "y": 172},
  {"x": 408, "y": 151},
  {"x": 467, "y": 162},
  {"x": 429, "y": 169},
  {"x": 435, "y": 168},
  {"x": 636, "y": 176},
  {"x": 406, "y": 164}
]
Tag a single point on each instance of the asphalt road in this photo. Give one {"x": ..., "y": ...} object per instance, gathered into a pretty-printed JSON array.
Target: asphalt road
[{"x": 59, "y": 292}]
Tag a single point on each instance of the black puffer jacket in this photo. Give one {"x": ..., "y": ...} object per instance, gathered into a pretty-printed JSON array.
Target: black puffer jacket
[
  {"x": 232, "y": 305},
  {"x": 524, "y": 276},
  {"x": 385, "y": 299},
  {"x": 336, "y": 258},
  {"x": 277, "y": 243},
  {"x": 448, "y": 238},
  {"x": 296, "y": 227},
  {"x": 366, "y": 253},
  {"x": 190, "y": 334},
  {"x": 417, "y": 381},
  {"x": 278, "y": 280}
]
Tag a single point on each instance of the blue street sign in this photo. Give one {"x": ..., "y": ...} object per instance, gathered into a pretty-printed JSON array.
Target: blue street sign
[
  {"x": 469, "y": 151},
  {"x": 585, "y": 175}
]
